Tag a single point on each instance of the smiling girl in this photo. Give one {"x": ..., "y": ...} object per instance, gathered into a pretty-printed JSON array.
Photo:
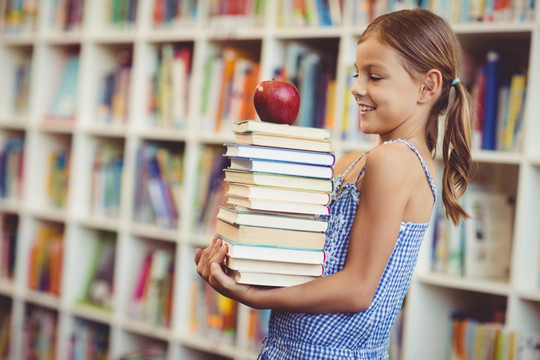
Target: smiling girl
[{"x": 406, "y": 68}]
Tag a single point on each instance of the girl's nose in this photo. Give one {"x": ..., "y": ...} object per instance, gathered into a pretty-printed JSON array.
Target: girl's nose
[{"x": 358, "y": 88}]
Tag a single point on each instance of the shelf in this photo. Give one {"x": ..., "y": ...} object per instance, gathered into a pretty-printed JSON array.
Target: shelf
[{"x": 461, "y": 283}]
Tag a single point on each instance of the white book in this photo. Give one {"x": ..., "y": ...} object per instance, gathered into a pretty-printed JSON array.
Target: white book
[
  {"x": 282, "y": 168},
  {"x": 280, "y": 154}
]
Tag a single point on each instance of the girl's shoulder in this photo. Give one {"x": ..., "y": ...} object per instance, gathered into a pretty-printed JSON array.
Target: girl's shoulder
[{"x": 345, "y": 161}]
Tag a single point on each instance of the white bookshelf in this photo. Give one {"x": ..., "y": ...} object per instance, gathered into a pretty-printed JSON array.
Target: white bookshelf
[{"x": 431, "y": 298}]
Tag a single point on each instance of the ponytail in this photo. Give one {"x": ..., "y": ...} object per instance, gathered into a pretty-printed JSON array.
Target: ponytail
[{"x": 456, "y": 152}]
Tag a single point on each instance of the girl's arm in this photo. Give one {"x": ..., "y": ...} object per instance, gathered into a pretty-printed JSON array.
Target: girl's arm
[{"x": 385, "y": 190}]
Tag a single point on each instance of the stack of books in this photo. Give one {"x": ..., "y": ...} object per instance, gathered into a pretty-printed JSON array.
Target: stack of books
[{"x": 279, "y": 184}]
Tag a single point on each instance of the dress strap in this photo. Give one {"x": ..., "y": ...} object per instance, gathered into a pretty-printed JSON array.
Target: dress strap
[
  {"x": 422, "y": 161},
  {"x": 349, "y": 169}
]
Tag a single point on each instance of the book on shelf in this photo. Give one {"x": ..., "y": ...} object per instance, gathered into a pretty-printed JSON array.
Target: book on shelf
[
  {"x": 269, "y": 279},
  {"x": 256, "y": 126},
  {"x": 152, "y": 297},
  {"x": 113, "y": 104},
  {"x": 168, "y": 94},
  {"x": 67, "y": 15},
  {"x": 279, "y": 154},
  {"x": 254, "y": 235},
  {"x": 58, "y": 177},
  {"x": 21, "y": 88},
  {"x": 488, "y": 233},
  {"x": 9, "y": 229},
  {"x": 121, "y": 13},
  {"x": 273, "y": 253},
  {"x": 275, "y": 267},
  {"x": 279, "y": 194},
  {"x": 106, "y": 179},
  {"x": 264, "y": 179},
  {"x": 158, "y": 185},
  {"x": 100, "y": 286},
  {"x": 211, "y": 314},
  {"x": 243, "y": 216},
  {"x": 64, "y": 102},
  {"x": 11, "y": 168},
  {"x": 211, "y": 188},
  {"x": 45, "y": 260},
  {"x": 40, "y": 339},
  {"x": 278, "y": 206},
  {"x": 282, "y": 168},
  {"x": 290, "y": 142},
  {"x": 89, "y": 340},
  {"x": 6, "y": 309}
]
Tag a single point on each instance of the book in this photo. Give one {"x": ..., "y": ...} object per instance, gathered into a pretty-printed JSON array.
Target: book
[
  {"x": 279, "y": 154},
  {"x": 242, "y": 216},
  {"x": 269, "y": 279},
  {"x": 251, "y": 126},
  {"x": 279, "y": 194},
  {"x": 282, "y": 168},
  {"x": 264, "y": 179},
  {"x": 101, "y": 276},
  {"x": 254, "y": 235},
  {"x": 274, "y": 253},
  {"x": 280, "y": 141},
  {"x": 64, "y": 103},
  {"x": 279, "y": 206},
  {"x": 274, "y": 267},
  {"x": 488, "y": 234}
]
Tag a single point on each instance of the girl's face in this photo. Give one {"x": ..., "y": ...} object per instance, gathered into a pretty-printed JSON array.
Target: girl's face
[{"x": 385, "y": 92}]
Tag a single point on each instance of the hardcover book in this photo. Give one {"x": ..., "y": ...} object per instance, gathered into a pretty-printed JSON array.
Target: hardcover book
[
  {"x": 265, "y": 179},
  {"x": 242, "y": 216},
  {"x": 254, "y": 235},
  {"x": 252, "y": 126},
  {"x": 275, "y": 267},
  {"x": 279, "y": 194},
  {"x": 280, "y": 154},
  {"x": 282, "y": 168}
]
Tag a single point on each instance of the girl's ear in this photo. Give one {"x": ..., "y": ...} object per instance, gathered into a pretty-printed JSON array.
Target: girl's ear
[{"x": 430, "y": 86}]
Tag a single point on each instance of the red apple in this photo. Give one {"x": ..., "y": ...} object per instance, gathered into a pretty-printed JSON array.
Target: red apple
[{"x": 277, "y": 101}]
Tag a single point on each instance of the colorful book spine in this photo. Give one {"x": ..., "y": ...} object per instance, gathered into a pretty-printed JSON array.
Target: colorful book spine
[
  {"x": 461, "y": 11},
  {"x": 67, "y": 15},
  {"x": 153, "y": 292},
  {"x": 106, "y": 181},
  {"x": 172, "y": 13},
  {"x": 9, "y": 226},
  {"x": 40, "y": 332},
  {"x": 6, "y": 308},
  {"x": 20, "y": 16},
  {"x": 211, "y": 188},
  {"x": 230, "y": 79},
  {"x": 11, "y": 168},
  {"x": 113, "y": 97},
  {"x": 169, "y": 88},
  {"x": 89, "y": 340},
  {"x": 45, "y": 260},
  {"x": 159, "y": 185},
  {"x": 58, "y": 178},
  {"x": 213, "y": 315}
]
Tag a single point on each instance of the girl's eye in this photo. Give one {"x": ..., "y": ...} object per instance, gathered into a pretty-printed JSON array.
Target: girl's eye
[
  {"x": 374, "y": 78},
  {"x": 355, "y": 76}
]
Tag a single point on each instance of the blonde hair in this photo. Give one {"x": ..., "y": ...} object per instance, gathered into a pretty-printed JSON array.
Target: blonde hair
[{"x": 426, "y": 41}]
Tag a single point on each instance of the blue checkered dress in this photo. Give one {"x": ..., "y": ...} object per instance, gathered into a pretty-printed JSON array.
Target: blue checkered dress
[{"x": 363, "y": 335}]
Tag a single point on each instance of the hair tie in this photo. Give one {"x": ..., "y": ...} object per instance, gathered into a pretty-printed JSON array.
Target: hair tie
[{"x": 455, "y": 81}]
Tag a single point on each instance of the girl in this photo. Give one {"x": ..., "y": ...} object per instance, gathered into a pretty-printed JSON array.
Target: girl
[{"x": 406, "y": 68}]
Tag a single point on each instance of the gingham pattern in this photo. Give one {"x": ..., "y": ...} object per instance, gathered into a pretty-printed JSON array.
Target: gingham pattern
[{"x": 363, "y": 335}]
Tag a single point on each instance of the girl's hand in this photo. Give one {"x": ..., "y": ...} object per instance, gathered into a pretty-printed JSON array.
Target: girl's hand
[{"x": 209, "y": 266}]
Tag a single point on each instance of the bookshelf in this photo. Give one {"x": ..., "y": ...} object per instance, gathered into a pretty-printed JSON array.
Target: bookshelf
[{"x": 135, "y": 43}]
